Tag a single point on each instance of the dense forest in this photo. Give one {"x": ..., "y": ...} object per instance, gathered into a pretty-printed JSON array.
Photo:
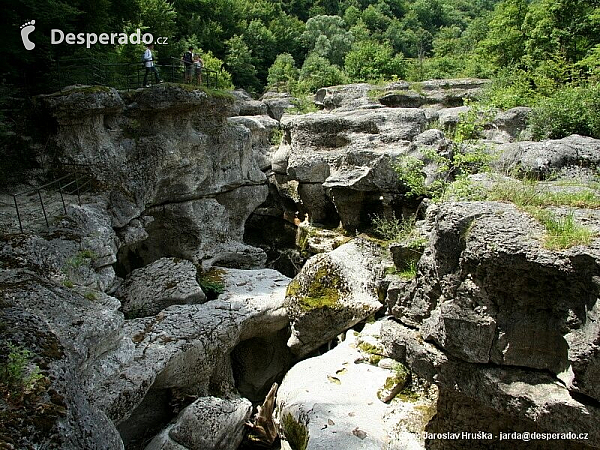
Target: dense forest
[
  {"x": 535, "y": 50},
  {"x": 305, "y": 44}
]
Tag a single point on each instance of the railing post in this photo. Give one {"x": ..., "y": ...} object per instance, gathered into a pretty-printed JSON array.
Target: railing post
[
  {"x": 18, "y": 214},
  {"x": 77, "y": 187},
  {"x": 62, "y": 198},
  {"x": 43, "y": 208}
]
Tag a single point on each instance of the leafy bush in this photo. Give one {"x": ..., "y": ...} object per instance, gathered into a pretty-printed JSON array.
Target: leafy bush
[
  {"x": 510, "y": 88},
  {"x": 467, "y": 157},
  {"x": 318, "y": 72},
  {"x": 283, "y": 74},
  {"x": 17, "y": 373},
  {"x": 472, "y": 122},
  {"x": 571, "y": 110},
  {"x": 370, "y": 61},
  {"x": 410, "y": 172}
]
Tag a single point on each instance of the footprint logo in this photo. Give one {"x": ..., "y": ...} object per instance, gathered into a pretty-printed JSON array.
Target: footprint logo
[{"x": 26, "y": 30}]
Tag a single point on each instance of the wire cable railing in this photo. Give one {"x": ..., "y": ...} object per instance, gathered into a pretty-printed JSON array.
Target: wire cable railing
[
  {"x": 74, "y": 183},
  {"x": 124, "y": 76}
]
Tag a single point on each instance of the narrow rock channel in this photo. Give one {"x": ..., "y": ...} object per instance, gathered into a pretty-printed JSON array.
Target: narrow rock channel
[{"x": 222, "y": 289}]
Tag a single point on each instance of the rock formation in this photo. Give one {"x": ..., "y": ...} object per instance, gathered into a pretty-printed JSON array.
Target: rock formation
[{"x": 146, "y": 316}]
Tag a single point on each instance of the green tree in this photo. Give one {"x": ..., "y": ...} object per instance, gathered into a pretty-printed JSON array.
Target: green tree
[
  {"x": 263, "y": 46},
  {"x": 330, "y": 35},
  {"x": 283, "y": 74},
  {"x": 505, "y": 43},
  {"x": 239, "y": 64},
  {"x": 214, "y": 22},
  {"x": 318, "y": 72},
  {"x": 371, "y": 61},
  {"x": 352, "y": 15},
  {"x": 287, "y": 31},
  {"x": 375, "y": 18}
]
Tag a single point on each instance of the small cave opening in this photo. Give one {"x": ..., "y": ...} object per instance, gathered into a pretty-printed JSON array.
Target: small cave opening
[
  {"x": 271, "y": 227},
  {"x": 359, "y": 208},
  {"x": 259, "y": 362},
  {"x": 129, "y": 258},
  {"x": 152, "y": 415}
]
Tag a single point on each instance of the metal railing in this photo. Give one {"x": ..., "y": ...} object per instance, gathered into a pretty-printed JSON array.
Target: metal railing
[
  {"x": 73, "y": 183},
  {"x": 123, "y": 76}
]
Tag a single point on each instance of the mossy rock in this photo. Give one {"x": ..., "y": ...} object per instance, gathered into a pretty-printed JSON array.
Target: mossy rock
[
  {"x": 296, "y": 433},
  {"x": 375, "y": 353},
  {"x": 321, "y": 289},
  {"x": 212, "y": 282},
  {"x": 394, "y": 386}
]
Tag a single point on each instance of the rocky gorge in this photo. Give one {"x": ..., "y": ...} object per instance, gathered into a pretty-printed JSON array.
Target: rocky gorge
[{"x": 229, "y": 245}]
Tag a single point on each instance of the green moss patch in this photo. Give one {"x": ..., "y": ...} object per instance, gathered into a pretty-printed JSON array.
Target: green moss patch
[
  {"x": 212, "y": 282},
  {"x": 322, "y": 292},
  {"x": 295, "y": 432},
  {"x": 395, "y": 386}
]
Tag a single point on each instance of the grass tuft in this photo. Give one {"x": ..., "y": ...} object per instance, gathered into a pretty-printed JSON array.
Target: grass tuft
[{"x": 562, "y": 232}]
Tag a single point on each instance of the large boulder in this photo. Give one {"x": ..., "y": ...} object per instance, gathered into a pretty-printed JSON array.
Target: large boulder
[
  {"x": 453, "y": 92},
  {"x": 333, "y": 292},
  {"x": 345, "y": 97},
  {"x": 262, "y": 130},
  {"x": 165, "y": 282},
  {"x": 479, "y": 252},
  {"x": 493, "y": 399},
  {"x": 277, "y": 103},
  {"x": 509, "y": 125},
  {"x": 546, "y": 158},
  {"x": 344, "y": 161},
  {"x": 77, "y": 103},
  {"x": 209, "y": 423},
  {"x": 78, "y": 249},
  {"x": 245, "y": 105},
  {"x": 508, "y": 318},
  {"x": 436, "y": 93},
  {"x": 400, "y": 94},
  {"x": 208, "y": 229},
  {"x": 50, "y": 332},
  {"x": 335, "y": 401}
]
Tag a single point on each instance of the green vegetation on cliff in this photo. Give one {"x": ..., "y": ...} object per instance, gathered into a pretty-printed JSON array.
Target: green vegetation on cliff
[
  {"x": 542, "y": 53},
  {"x": 306, "y": 44}
]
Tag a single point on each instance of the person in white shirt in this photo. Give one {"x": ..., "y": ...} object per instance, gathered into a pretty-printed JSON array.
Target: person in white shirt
[
  {"x": 149, "y": 64},
  {"x": 198, "y": 64}
]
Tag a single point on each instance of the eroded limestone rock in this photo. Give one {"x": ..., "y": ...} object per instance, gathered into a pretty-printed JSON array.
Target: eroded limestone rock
[
  {"x": 209, "y": 423},
  {"x": 165, "y": 282},
  {"x": 545, "y": 158},
  {"x": 333, "y": 292},
  {"x": 188, "y": 346},
  {"x": 333, "y": 401},
  {"x": 169, "y": 153}
]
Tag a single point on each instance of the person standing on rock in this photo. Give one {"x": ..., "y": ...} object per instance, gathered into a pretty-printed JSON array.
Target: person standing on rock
[
  {"x": 199, "y": 65},
  {"x": 188, "y": 63},
  {"x": 148, "y": 60}
]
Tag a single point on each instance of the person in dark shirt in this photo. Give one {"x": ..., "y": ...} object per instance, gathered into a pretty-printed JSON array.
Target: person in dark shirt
[{"x": 188, "y": 64}]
